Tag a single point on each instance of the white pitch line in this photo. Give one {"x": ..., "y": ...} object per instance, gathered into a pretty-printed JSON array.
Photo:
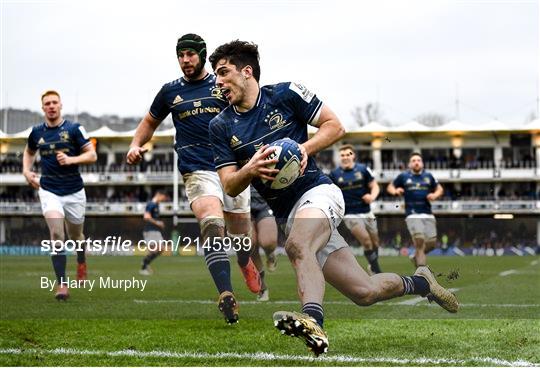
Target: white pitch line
[
  {"x": 261, "y": 356},
  {"x": 534, "y": 263},
  {"x": 412, "y": 301},
  {"x": 330, "y": 302},
  {"x": 506, "y": 273}
]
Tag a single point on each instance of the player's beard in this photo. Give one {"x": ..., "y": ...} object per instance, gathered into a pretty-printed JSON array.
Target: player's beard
[
  {"x": 417, "y": 170},
  {"x": 197, "y": 71}
]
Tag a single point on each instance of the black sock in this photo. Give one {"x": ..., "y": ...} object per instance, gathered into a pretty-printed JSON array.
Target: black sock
[
  {"x": 372, "y": 257},
  {"x": 149, "y": 258},
  {"x": 243, "y": 257},
  {"x": 220, "y": 269},
  {"x": 314, "y": 310},
  {"x": 416, "y": 285},
  {"x": 59, "y": 265},
  {"x": 81, "y": 256},
  {"x": 263, "y": 284}
]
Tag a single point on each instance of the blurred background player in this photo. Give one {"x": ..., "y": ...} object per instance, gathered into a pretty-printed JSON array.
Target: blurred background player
[
  {"x": 359, "y": 189},
  {"x": 264, "y": 234},
  {"x": 193, "y": 100},
  {"x": 311, "y": 207},
  {"x": 63, "y": 145},
  {"x": 419, "y": 188},
  {"x": 153, "y": 227}
]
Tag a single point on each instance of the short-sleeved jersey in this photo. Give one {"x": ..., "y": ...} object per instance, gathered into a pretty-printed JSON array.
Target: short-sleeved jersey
[
  {"x": 192, "y": 105},
  {"x": 68, "y": 137},
  {"x": 354, "y": 183},
  {"x": 282, "y": 111},
  {"x": 417, "y": 187},
  {"x": 153, "y": 208}
]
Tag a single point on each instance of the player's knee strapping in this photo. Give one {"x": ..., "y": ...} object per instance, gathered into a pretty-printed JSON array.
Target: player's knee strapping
[
  {"x": 212, "y": 227},
  {"x": 245, "y": 252}
]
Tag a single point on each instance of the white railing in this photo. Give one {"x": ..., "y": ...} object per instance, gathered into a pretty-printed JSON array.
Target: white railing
[
  {"x": 95, "y": 208},
  {"x": 380, "y": 207},
  {"x": 465, "y": 207}
]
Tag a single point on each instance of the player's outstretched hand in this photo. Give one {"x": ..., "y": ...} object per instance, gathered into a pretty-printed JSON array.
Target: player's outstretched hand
[
  {"x": 63, "y": 159},
  {"x": 303, "y": 163},
  {"x": 134, "y": 155},
  {"x": 257, "y": 166},
  {"x": 32, "y": 179}
]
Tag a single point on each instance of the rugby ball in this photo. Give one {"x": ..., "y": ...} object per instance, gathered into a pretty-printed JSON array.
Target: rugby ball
[{"x": 289, "y": 158}]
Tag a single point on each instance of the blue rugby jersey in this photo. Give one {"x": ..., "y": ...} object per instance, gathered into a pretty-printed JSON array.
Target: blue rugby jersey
[
  {"x": 417, "y": 187},
  {"x": 153, "y": 208},
  {"x": 68, "y": 137},
  {"x": 281, "y": 111},
  {"x": 354, "y": 183},
  {"x": 192, "y": 105}
]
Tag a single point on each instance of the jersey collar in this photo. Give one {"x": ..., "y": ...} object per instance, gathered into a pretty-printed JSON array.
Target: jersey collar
[
  {"x": 208, "y": 75},
  {"x": 58, "y": 126},
  {"x": 419, "y": 174},
  {"x": 257, "y": 103}
]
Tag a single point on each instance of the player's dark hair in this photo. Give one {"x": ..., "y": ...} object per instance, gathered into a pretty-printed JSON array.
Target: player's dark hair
[
  {"x": 193, "y": 42},
  {"x": 347, "y": 147},
  {"x": 415, "y": 154},
  {"x": 240, "y": 54},
  {"x": 160, "y": 191}
]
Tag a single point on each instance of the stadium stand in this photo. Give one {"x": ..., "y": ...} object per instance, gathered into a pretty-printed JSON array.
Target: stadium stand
[{"x": 487, "y": 169}]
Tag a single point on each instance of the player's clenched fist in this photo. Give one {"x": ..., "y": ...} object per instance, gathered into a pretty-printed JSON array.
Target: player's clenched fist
[
  {"x": 63, "y": 159},
  {"x": 134, "y": 155},
  {"x": 32, "y": 179}
]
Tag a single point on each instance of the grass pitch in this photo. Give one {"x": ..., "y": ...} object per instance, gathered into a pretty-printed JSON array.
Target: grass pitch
[{"x": 175, "y": 321}]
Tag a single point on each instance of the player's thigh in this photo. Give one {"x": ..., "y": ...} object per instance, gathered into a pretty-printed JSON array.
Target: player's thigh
[
  {"x": 360, "y": 232},
  {"x": 75, "y": 231},
  {"x": 310, "y": 231},
  {"x": 53, "y": 212},
  {"x": 204, "y": 193},
  {"x": 254, "y": 233},
  {"x": 51, "y": 205},
  {"x": 238, "y": 204},
  {"x": 313, "y": 218},
  {"x": 342, "y": 271},
  {"x": 75, "y": 208},
  {"x": 154, "y": 241},
  {"x": 430, "y": 229},
  {"x": 205, "y": 206},
  {"x": 416, "y": 229},
  {"x": 373, "y": 231},
  {"x": 237, "y": 222},
  {"x": 55, "y": 223},
  {"x": 237, "y": 212},
  {"x": 267, "y": 230}
]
